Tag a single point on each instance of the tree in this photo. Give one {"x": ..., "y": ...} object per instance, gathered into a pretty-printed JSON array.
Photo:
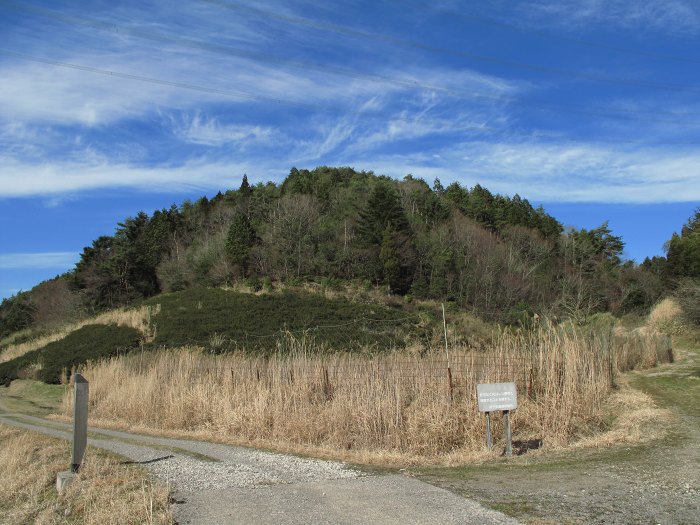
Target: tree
[
  {"x": 683, "y": 253},
  {"x": 390, "y": 261},
  {"x": 383, "y": 208},
  {"x": 239, "y": 241},
  {"x": 16, "y": 313},
  {"x": 245, "y": 186}
]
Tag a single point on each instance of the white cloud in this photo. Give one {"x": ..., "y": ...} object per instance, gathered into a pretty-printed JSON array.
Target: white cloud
[
  {"x": 537, "y": 171},
  {"x": 557, "y": 172},
  {"x": 46, "y": 260},
  {"x": 667, "y": 15},
  {"x": 210, "y": 132},
  {"x": 56, "y": 178}
]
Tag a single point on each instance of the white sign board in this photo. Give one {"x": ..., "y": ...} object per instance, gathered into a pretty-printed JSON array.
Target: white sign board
[{"x": 496, "y": 396}]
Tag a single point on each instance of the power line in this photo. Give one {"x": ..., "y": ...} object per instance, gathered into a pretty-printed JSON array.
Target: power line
[
  {"x": 252, "y": 96},
  {"x": 616, "y": 113}
]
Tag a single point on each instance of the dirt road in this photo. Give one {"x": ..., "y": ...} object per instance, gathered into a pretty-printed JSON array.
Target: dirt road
[
  {"x": 216, "y": 484},
  {"x": 657, "y": 482}
]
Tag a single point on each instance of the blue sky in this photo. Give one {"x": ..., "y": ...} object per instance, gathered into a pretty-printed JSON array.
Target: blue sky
[{"x": 590, "y": 108}]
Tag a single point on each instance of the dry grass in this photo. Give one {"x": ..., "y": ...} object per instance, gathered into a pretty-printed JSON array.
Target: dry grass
[
  {"x": 636, "y": 419},
  {"x": 383, "y": 408},
  {"x": 104, "y": 492},
  {"x": 138, "y": 318},
  {"x": 666, "y": 317}
]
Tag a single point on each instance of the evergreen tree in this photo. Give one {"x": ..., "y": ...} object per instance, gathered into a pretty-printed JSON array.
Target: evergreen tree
[
  {"x": 390, "y": 260},
  {"x": 683, "y": 253},
  {"x": 240, "y": 239},
  {"x": 245, "y": 186},
  {"x": 383, "y": 208}
]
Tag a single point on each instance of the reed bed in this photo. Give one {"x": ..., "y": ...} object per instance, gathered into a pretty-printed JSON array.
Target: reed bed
[{"x": 398, "y": 403}]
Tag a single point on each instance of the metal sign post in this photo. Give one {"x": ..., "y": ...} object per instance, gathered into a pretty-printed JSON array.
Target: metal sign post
[
  {"x": 489, "y": 441},
  {"x": 498, "y": 396}
]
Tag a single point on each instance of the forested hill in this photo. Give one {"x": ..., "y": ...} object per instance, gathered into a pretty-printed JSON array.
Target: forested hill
[{"x": 493, "y": 254}]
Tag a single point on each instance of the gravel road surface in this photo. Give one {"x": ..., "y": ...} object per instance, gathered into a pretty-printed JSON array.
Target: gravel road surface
[{"x": 220, "y": 484}]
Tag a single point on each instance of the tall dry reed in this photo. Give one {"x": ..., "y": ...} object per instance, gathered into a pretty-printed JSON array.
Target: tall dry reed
[{"x": 396, "y": 403}]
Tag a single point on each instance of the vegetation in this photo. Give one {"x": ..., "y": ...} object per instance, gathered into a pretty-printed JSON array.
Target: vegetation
[
  {"x": 32, "y": 397},
  {"x": 58, "y": 358},
  {"x": 364, "y": 406},
  {"x": 104, "y": 492},
  {"x": 496, "y": 256},
  {"x": 223, "y": 320}
]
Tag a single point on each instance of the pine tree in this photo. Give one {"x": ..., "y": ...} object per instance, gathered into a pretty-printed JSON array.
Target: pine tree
[
  {"x": 383, "y": 208},
  {"x": 245, "y": 186},
  {"x": 388, "y": 254},
  {"x": 240, "y": 239}
]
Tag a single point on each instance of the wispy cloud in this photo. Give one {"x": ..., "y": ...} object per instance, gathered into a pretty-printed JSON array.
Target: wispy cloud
[
  {"x": 557, "y": 172},
  {"x": 211, "y": 132},
  {"x": 71, "y": 177},
  {"x": 46, "y": 260},
  {"x": 667, "y": 15}
]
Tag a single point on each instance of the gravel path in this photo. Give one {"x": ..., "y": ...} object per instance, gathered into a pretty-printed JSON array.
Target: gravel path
[{"x": 216, "y": 484}]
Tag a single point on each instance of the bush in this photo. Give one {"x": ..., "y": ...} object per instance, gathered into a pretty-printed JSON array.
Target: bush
[
  {"x": 254, "y": 283},
  {"x": 14, "y": 369},
  {"x": 688, "y": 295},
  {"x": 88, "y": 343},
  {"x": 259, "y": 322}
]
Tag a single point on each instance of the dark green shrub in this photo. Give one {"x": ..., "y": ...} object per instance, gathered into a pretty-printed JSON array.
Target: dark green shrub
[
  {"x": 254, "y": 283},
  {"x": 14, "y": 369},
  {"x": 89, "y": 343},
  {"x": 253, "y": 322}
]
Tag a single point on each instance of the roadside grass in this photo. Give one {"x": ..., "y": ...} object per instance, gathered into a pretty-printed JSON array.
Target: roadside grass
[
  {"x": 676, "y": 386},
  {"x": 28, "y": 396},
  {"x": 104, "y": 492}
]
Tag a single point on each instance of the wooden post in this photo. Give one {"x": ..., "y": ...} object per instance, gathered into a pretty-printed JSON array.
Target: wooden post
[
  {"x": 449, "y": 379},
  {"x": 530, "y": 393},
  {"x": 508, "y": 435},
  {"x": 80, "y": 415},
  {"x": 328, "y": 389},
  {"x": 447, "y": 352},
  {"x": 489, "y": 440}
]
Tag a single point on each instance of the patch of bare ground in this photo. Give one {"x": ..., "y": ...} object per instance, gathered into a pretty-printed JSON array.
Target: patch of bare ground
[{"x": 644, "y": 470}]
